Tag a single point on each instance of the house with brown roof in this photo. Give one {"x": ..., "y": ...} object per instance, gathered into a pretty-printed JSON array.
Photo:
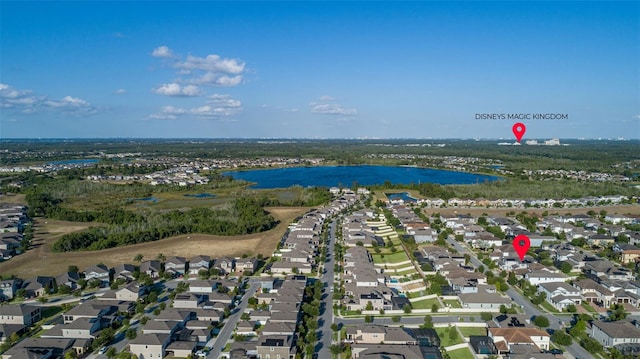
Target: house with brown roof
[{"x": 504, "y": 338}]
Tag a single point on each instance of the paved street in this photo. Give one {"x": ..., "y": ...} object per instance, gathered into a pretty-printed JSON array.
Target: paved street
[
  {"x": 326, "y": 311},
  {"x": 232, "y": 320}
]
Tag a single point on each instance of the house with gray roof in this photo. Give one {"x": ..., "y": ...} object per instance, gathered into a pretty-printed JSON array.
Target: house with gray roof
[
  {"x": 147, "y": 346},
  {"x": 610, "y": 334},
  {"x": 22, "y": 314}
]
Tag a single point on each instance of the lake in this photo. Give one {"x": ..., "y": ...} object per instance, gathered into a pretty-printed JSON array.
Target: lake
[
  {"x": 75, "y": 162},
  {"x": 331, "y": 176}
]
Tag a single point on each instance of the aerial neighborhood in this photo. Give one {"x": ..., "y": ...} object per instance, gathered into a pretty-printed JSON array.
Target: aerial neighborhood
[{"x": 388, "y": 276}]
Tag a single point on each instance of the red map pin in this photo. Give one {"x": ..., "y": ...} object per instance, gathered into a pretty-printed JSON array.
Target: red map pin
[
  {"x": 521, "y": 244},
  {"x": 518, "y": 130}
]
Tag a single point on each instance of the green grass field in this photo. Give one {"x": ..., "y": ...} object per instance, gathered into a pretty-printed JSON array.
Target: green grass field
[
  {"x": 588, "y": 307},
  {"x": 463, "y": 353},
  {"x": 453, "y": 303},
  {"x": 445, "y": 339},
  {"x": 425, "y": 304},
  {"x": 397, "y": 257},
  {"x": 468, "y": 331}
]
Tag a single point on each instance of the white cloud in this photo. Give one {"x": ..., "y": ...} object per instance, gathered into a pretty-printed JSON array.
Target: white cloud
[
  {"x": 219, "y": 106},
  {"x": 168, "y": 113},
  {"x": 120, "y": 92},
  {"x": 24, "y": 101},
  {"x": 11, "y": 97},
  {"x": 327, "y": 106},
  {"x": 212, "y": 63},
  {"x": 162, "y": 51},
  {"x": 216, "y": 107},
  {"x": 175, "y": 89},
  {"x": 211, "y": 70}
]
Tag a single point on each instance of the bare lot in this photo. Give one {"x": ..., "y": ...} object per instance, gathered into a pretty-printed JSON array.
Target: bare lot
[{"x": 40, "y": 260}]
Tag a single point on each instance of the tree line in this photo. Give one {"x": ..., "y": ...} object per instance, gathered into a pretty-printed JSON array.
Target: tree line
[{"x": 244, "y": 216}]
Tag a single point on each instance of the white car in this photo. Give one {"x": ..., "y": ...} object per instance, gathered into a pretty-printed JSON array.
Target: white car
[{"x": 102, "y": 350}]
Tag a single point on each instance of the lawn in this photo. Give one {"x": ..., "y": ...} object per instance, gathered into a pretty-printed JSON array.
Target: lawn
[
  {"x": 445, "y": 339},
  {"x": 548, "y": 307},
  {"x": 401, "y": 273},
  {"x": 399, "y": 256},
  {"x": 588, "y": 307},
  {"x": 463, "y": 353},
  {"x": 468, "y": 331},
  {"x": 453, "y": 303},
  {"x": 425, "y": 304}
]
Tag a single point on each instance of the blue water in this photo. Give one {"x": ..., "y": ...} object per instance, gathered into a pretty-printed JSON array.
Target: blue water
[
  {"x": 147, "y": 199},
  {"x": 74, "y": 162},
  {"x": 200, "y": 195},
  {"x": 329, "y": 176},
  {"x": 403, "y": 196}
]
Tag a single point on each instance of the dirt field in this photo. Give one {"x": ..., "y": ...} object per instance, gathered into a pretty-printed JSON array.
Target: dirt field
[{"x": 42, "y": 261}]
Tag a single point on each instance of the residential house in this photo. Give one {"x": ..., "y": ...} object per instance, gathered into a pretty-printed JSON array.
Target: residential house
[
  {"x": 225, "y": 265},
  {"x": 41, "y": 348},
  {"x": 276, "y": 347},
  {"x": 594, "y": 293},
  {"x": 22, "y": 314},
  {"x": 132, "y": 292},
  {"x": 198, "y": 263},
  {"x": 560, "y": 294},
  {"x": 176, "y": 266},
  {"x": 504, "y": 338},
  {"x": 544, "y": 276},
  {"x": 246, "y": 265},
  {"x": 39, "y": 286},
  {"x": 124, "y": 271},
  {"x": 86, "y": 328},
  {"x": 610, "y": 334},
  {"x": 69, "y": 279},
  {"x": 146, "y": 346},
  {"x": 377, "y": 334},
  {"x": 483, "y": 301},
  {"x": 202, "y": 286},
  {"x": 9, "y": 287},
  {"x": 99, "y": 272},
  {"x": 151, "y": 268}
]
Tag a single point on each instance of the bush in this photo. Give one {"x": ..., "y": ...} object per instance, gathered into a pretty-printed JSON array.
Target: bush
[
  {"x": 561, "y": 337},
  {"x": 486, "y": 316},
  {"x": 541, "y": 321}
]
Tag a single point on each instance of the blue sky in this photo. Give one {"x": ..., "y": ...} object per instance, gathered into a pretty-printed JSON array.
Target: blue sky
[{"x": 318, "y": 69}]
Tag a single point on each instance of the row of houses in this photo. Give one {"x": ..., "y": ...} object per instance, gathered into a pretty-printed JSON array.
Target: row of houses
[
  {"x": 299, "y": 246},
  {"x": 13, "y": 219},
  {"x": 520, "y": 203}
]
